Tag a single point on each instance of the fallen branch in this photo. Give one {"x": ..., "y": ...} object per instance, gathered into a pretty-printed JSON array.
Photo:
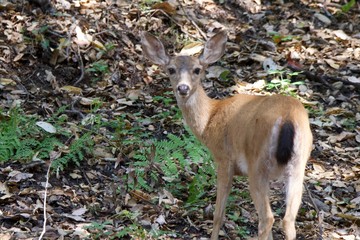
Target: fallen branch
[
  {"x": 174, "y": 21},
  {"x": 322, "y": 78},
  {"x": 310, "y": 76},
  {"x": 192, "y": 21},
  {"x": 81, "y": 67},
  {"x": 45, "y": 200},
  {"x": 318, "y": 213}
]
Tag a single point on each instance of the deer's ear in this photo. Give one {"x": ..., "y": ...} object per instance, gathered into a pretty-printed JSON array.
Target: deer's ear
[
  {"x": 153, "y": 49},
  {"x": 214, "y": 48}
]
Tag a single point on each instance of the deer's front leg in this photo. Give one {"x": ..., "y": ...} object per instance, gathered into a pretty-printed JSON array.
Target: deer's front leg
[{"x": 225, "y": 173}]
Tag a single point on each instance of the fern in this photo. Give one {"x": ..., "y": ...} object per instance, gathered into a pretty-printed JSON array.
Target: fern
[
  {"x": 26, "y": 149},
  {"x": 48, "y": 145},
  {"x": 8, "y": 144},
  {"x": 76, "y": 153},
  {"x": 175, "y": 158},
  {"x": 9, "y": 135},
  {"x": 21, "y": 139}
]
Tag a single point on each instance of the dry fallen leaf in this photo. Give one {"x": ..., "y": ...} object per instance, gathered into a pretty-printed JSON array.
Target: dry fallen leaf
[
  {"x": 48, "y": 127},
  {"x": 192, "y": 49},
  {"x": 72, "y": 90},
  {"x": 79, "y": 211},
  {"x": 341, "y": 137},
  {"x": 353, "y": 79},
  {"x": 7, "y": 82},
  {"x": 332, "y": 63},
  {"x": 17, "y": 176},
  {"x": 165, "y": 6}
]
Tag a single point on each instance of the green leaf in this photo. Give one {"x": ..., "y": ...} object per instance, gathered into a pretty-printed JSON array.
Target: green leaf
[
  {"x": 346, "y": 7},
  {"x": 224, "y": 75}
]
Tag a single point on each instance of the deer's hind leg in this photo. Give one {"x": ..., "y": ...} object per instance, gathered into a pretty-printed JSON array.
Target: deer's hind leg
[{"x": 259, "y": 190}]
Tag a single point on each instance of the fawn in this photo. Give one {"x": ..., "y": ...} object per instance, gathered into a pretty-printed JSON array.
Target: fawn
[{"x": 264, "y": 137}]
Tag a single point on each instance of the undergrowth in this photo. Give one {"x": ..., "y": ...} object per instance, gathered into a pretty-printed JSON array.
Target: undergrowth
[
  {"x": 21, "y": 139},
  {"x": 173, "y": 161}
]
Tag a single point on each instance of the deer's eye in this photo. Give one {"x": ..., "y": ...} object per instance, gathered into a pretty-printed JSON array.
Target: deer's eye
[
  {"x": 171, "y": 70},
  {"x": 197, "y": 71}
]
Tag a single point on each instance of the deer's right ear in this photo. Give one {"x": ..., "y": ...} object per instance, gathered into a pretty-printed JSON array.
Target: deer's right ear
[{"x": 153, "y": 49}]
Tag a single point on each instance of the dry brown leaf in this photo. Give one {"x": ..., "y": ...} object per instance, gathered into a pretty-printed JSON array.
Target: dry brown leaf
[
  {"x": 192, "y": 49},
  {"x": 353, "y": 79},
  {"x": 5, "y": 236},
  {"x": 7, "y": 82},
  {"x": 18, "y": 57},
  {"x": 72, "y": 90},
  {"x": 341, "y": 34},
  {"x": 79, "y": 211},
  {"x": 332, "y": 63},
  {"x": 166, "y": 7},
  {"x": 140, "y": 195},
  {"x": 17, "y": 176},
  {"x": 318, "y": 168},
  {"x": 341, "y": 137}
]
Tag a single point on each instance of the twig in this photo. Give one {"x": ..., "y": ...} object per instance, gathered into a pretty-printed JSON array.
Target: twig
[
  {"x": 357, "y": 85},
  {"x": 311, "y": 76},
  {"x": 81, "y": 67},
  {"x": 74, "y": 110},
  {"x": 323, "y": 78},
  {"x": 180, "y": 25},
  {"x": 71, "y": 31},
  {"x": 319, "y": 213},
  {"x": 192, "y": 21},
  {"x": 45, "y": 199}
]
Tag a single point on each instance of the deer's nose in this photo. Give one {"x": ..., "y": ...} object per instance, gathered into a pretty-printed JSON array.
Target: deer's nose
[{"x": 183, "y": 89}]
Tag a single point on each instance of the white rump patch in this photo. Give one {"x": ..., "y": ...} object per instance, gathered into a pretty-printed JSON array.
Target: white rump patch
[{"x": 274, "y": 138}]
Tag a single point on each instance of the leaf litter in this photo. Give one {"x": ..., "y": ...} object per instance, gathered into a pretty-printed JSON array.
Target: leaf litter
[{"x": 90, "y": 50}]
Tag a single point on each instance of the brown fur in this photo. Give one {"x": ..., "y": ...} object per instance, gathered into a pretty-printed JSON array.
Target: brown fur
[{"x": 242, "y": 133}]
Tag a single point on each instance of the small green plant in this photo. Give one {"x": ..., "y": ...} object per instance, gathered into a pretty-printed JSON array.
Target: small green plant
[
  {"x": 105, "y": 231},
  {"x": 315, "y": 111},
  {"x": 240, "y": 230},
  {"x": 134, "y": 231},
  {"x": 150, "y": 2},
  {"x": 224, "y": 76},
  {"x": 98, "y": 68},
  {"x": 346, "y": 7},
  {"x": 282, "y": 83},
  {"x": 21, "y": 139},
  {"x": 38, "y": 37},
  {"x": 99, "y": 230},
  {"x": 278, "y": 38},
  {"x": 166, "y": 99},
  {"x": 168, "y": 160},
  {"x": 349, "y": 123},
  {"x": 75, "y": 153},
  {"x": 108, "y": 47}
]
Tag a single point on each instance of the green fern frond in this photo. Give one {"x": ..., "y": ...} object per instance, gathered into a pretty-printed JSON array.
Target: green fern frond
[{"x": 77, "y": 150}]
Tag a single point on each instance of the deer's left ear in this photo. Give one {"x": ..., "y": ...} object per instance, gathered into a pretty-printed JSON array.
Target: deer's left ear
[
  {"x": 214, "y": 48},
  {"x": 153, "y": 49}
]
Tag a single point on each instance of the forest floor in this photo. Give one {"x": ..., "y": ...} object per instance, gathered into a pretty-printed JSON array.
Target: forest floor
[{"x": 77, "y": 93}]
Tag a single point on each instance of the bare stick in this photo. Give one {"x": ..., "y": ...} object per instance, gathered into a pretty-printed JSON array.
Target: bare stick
[
  {"x": 81, "y": 68},
  {"x": 45, "y": 198},
  {"x": 192, "y": 21},
  {"x": 319, "y": 213}
]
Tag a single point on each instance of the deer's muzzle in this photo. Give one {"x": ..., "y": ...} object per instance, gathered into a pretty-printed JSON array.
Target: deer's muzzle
[{"x": 183, "y": 89}]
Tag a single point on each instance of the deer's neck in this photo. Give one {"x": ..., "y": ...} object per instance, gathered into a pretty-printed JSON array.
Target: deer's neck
[{"x": 197, "y": 111}]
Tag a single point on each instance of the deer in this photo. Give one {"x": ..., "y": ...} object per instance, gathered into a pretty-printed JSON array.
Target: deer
[{"x": 266, "y": 137}]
